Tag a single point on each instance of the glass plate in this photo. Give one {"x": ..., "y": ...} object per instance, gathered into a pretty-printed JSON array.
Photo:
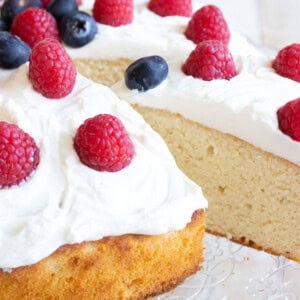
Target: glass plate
[{"x": 232, "y": 271}]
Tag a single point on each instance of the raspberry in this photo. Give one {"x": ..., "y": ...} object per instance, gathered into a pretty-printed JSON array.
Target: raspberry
[
  {"x": 45, "y": 3},
  {"x": 113, "y": 12},
  {"x": 51, "y": 70},
  {"x": 103, "y": 144},
  {"x": 287, "y": 62},
  {"x": 210, "y": 60},
  {"x": 33, "y": 25},
  {"x": 208, "y": 23},
  {"x": 289, "y": 119},
  {"x": 19, "y": 155},
  {"x": 171, "y": 7}
]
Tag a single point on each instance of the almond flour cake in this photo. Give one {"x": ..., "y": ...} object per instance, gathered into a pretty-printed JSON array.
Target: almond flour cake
[
  {"x": 92, "y": 203},
  {"x": 224, "y": 134}
]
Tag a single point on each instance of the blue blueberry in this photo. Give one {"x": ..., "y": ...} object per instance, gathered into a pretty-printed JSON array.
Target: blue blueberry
[
  {"x": 11, "y": 8},
  {"x": 13, "y": 51},
  {"x": 3, "y": 25},
  {"x": 146, "y": 73},
  {"x": 59, "y": 8},
  {"x": 77, "y": 29}
]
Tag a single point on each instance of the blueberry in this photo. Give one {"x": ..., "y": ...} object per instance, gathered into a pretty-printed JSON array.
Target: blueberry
[
  {"x": 13, "y": 51},
  {"x": 11, "y": 8},
  {"x": 77, "y": 29},
  {"x": 146, "y": 73},
  {"x": 3, "y": 25},
  {"x": 60, "y": 8}
]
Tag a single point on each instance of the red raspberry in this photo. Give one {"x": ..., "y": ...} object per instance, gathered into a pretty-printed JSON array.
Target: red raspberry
[
  {"x": 19, "y": 155},
  {"x": 210, "y": 60},
  {"x": 51, "y": 70},
  {"x": 289, "y": 119},
  {"x": 287, "y": 62},
  {"x": 171, "y": 7},
  {"x": 208, "y": 23},
  {"x": 103, "y": 144},
  {"x": 47, "y": 2},
  {"x": 33, "y": 25},
  {"x": 113, "y": 12}
]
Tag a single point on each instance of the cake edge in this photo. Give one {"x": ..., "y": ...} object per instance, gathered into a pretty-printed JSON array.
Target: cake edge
[{"x": 132, "y": 267}]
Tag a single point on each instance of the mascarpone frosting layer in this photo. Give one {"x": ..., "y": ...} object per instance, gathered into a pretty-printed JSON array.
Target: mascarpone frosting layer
[{"x": 64, "y": 201}]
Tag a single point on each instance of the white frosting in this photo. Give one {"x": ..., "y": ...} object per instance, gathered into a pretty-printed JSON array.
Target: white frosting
[
  {"x": 64, "y": 201},
  {"x": 244, "y": 106},
  {"x": 149, "y": 33}
]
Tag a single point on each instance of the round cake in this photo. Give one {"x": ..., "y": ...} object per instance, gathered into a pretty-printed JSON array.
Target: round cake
[{"x": 70, "y": 231}]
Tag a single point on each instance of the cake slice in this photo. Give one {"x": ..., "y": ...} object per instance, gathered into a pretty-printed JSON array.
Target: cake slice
[
  {"x": 223, "y": 133},
  {"x": 69, "y": 230}
]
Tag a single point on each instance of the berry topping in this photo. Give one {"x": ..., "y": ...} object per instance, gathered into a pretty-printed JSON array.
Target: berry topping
[
  {"x": 113, "y": 12},
  {"x": 11, "y": 8},
  {"x": 60, "y": 8},
  {"x": 19, "y": 155},
  {"x": 77, "y": 29},
  {"x": 3, "y": 25},
  {"x": 208, "y": 23},
  {"x": 33, "y": 25},
  {"x": 51, "y": 70},
  {"x": 13, "y": 51},
  {"x": 287, "y": 62},
  {"x": 289, "y": 119},
  {"x": 146, "y": 73},
  {"x": 47, "y": 2},
  {"x": 171, "y": 7},
  {"x": 210, "y": 60},
  {"x": 103, "y": 144}
]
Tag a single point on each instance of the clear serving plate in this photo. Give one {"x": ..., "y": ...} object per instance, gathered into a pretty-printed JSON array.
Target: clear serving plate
[{"x": 232, "y": 271}]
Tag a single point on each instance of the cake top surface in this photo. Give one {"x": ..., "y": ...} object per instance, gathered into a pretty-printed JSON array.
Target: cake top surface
[
  {"x": 150, "y": 196},
  {"x": 244, "y": 106}
]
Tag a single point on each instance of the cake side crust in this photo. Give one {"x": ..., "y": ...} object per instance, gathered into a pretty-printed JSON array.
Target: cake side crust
[{"x": 121, "y": 267}]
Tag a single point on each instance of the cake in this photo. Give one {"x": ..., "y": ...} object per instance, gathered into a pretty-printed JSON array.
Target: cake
[
  {"x": 223, "y": 133},
  {"x": 69, "y": 231},
  {"x": 251, "y": 180}
]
